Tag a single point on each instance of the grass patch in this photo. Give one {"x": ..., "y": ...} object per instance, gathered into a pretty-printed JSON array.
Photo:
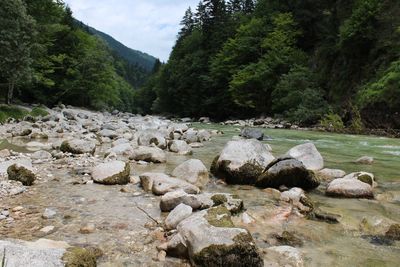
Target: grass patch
[
  {"x": 7, "y": 112},
  {"x": 39, "y": 111},
  {"x": 17, "y": 113}
]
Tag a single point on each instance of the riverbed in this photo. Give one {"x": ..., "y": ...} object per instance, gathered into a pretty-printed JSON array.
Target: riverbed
[{"x": 128, "y": 237}]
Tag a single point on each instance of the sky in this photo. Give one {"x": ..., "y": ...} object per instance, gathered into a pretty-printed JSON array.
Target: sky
[{"x": 150, "y": 26}]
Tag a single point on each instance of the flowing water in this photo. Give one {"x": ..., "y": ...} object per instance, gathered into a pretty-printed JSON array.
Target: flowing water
[{"x": 122, "y": 228}]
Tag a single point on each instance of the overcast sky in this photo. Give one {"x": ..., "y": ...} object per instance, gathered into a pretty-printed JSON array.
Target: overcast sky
[{"x": 150, "y": 26}]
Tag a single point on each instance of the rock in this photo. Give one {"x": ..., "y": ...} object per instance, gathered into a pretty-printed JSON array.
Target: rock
[
  {"x": 247, "y": 219},
  {"x": 22, "y": 161},
  {"x": 232, "y": 202},
  {"x": 160, "y": 184},
  {"x": 87, "y": 229},
  {"x": 204, "y": 120},
  {"x": 330, "y": 174},
  {"x": 47, "y": 230},
  {"x": 180, "y": 147},
  {"x": 112, "y": 173},
  {"x": 294, "y": 195},
  {"x": 122, "y": 150},
  {"x": 176, "y": 247},
  {"x": 41, "y": 154},
  {"x": 161, "y": 256},
  {"x": 5, "y": 153},
  {"x": 285, "y": 256},
  {"x": 78, "y": 146},
  {"x": 212, "y": 240},
  {"x": 393, "y": 232},
  {"x": 18, "y": 172},
  {"x": 149, "y": 137},
  {"x": 308, "y": 155},
  {"x": 108, "y": 133},
  {"x": 362, "y": 176},
  {"x": 149, "y": 154},
  {"x": 252, "y": 133},
  {"x": 365, "y": 160},
  {"x": 39, "y": 135},
  {"x": 196, "y": 145},
  {"x": 21, "y": 131},
  {"x": 288, "y": 172},
  {"x": 34, "y": 254},
  {"x": 203, "y": 135},
  {"x": 242, "y": 161},
  {"x": 49, "y": 213},
  {"x": 191, "y": 136},
  {"x": 69, "y": 115},
  {"x": 192, "y": 171},
  {"x": 177, "y": 215},
  {"x": 171, "y": 200},
  {"x": 349, "y": 188}
]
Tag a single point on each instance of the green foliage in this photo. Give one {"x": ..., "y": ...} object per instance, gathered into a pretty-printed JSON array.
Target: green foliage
[
  {"x": 38, "y": 111},
  {"x": 333, "y": 122},
  {"x": 7, "y": 112},
  {"x": 298, "y": 97}
]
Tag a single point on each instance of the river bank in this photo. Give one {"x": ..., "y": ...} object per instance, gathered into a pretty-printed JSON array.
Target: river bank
[{"x": 131, "y": 222}]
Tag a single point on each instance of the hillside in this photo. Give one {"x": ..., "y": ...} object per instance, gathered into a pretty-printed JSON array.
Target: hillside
[{"x": 134, "y": 57}]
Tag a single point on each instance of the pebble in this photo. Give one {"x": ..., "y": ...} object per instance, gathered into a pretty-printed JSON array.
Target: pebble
[
  {"x": 47, "y": 229},
  {"x": 5, "y": 213},
  {"x": 19, "y": 208},
  {"x": 87, "y": 229},
  {"x": 49, "y": 213},
  {"x": 161, "y": 256}
]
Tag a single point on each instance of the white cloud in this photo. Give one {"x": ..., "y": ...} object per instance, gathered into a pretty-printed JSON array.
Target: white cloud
[{"x": 150, "y": 26}]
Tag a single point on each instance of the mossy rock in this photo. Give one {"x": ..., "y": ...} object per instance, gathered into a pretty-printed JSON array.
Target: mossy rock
[
  {"x": 245, "y": 175},
  {"x": 219, "y": 199},
  {"x": 20, "y": 173},
  {"x": 219, "y": 216},
  {"x": 81, "y": 257},
  {"x": 242, "y": 253},
  {"x": 394, "y": 232},
  {"x": 77, "y": 147},
  {"x": 289, "y": 239},
  {"x": 365, "y": 178}
]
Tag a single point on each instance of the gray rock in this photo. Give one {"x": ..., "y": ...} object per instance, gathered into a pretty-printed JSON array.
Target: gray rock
[
  {"x": 78, "y": 146},
  {"x": 349, "y": 188},
  {"x": 365, "y": 160},
  {"x": 123, "y": 150},
  {"x": 23, "y": 161},
  {"x": 111, "y": 173},
  {"x": 33, "y": 254},
  {"x": 190, "y": 136},
  {"x": 177, "y": 215},
  {"x": 49, "y": 213},
  {"x": 108, "y": 133},
  {"x": 21, "y": 173},
  {"x": 287, "y": 172},
  {"x": 171, "y": 200},
  {"x": 180, "y": 147},
  {"x": 69, "y": 114},
  {"x": 203, "y": 135},
  {"x": 330, "y": 174},
  {"x": 149, "y": 154},
  {"x": 147, "y": 138},
  {"x": 41, "y": 154},
  {"x": 192, "y": 171},
  {"x": 284, "y": 256},
  {"x": 242, "y": 161},
  {"x": 308, "y": 155},
  {"x": 252, "y": 133},
  {"x": 160, "y": 184},
  {"x": 365, "y": 177},
  {"x": 212, "y": 240}
]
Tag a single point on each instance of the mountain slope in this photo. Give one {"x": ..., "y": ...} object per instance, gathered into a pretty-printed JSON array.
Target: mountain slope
[{"x": 132, "y": 56}]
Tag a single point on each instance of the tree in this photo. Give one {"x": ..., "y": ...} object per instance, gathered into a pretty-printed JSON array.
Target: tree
[
  {"x": 187, "y": 23},
  {"x": 16, "y": 39}
]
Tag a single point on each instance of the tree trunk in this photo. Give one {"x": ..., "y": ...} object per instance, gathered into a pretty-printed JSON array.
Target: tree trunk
[{"x": 10, "y": 92}]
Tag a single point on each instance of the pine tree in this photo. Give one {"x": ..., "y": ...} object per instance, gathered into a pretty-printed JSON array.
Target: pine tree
[
  {"x": 16, "y": 39},
  {"x": 187, "y": 23}
]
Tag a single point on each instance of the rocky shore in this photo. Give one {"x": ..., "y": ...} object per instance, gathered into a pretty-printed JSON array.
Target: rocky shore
[{"x": 83, "y": 188}]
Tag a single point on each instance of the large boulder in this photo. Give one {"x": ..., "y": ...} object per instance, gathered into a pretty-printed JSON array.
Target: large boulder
[
  {"x": 287, "y": 172},
  {"x": 190, "y": 136},
  {"x": 78, "y": 146},
  {"x": 365, "y": 177},
  {"x": 213, "y": 240},
  {"x": 21, "y": 173},
  {"x": 111, "y": 173},
  {"x": 160, "y": 184},
  {"x": 242, "y": 161},
  {"x": 252, "y": 133},
  {"x": 192, "y": 171},
  {"x": 149, "y": 154},
  {"x": 308, "y": 155},
  {"x": 180, "y": 147},
  {"x": 349, "y": 188}
]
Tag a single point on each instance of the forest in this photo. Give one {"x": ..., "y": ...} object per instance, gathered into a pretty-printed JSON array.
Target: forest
[
  {"x": 47, "y": 57},
  {"x": 307, "y": 61},
  {"x": 303, "y": 60}
]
